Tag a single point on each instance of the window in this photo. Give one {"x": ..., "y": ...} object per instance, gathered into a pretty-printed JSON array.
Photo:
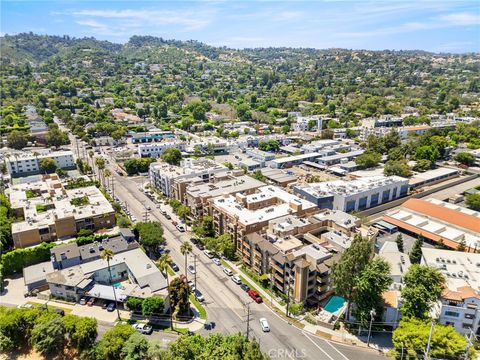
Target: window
[
  {"x": 466, "y": 326},
  {"x": 452, "y": 313},
  {"x": 374, "y": 199},
  {"x": 469, "y": 316},
  {"x": 386, "y": 195},
  {"x": 350, "y": 205},
  {"x": 362, "y": 203}
]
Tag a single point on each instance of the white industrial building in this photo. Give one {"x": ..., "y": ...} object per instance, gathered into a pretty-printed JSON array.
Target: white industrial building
[
  {"x": 155, "y": 150},
  {"x": 28, "y": 163},
  {"x": 359, "y": 194}
]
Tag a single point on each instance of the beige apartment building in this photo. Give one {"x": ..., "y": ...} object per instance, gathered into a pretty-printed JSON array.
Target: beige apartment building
[
  {"x": 247, "y": 212},
  {"x": 50, "y": 211}
]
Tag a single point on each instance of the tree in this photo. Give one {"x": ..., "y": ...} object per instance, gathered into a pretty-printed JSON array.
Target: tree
[
  {"x": 353, "y": 261},
  {"x": 368, "y": 160},
  {"x": 163, "y": 263},
  {"x": 150, "y": 235},
  {"x": 17, "y": 139},
  {"x": 111, "y": 345},
  {"x": 172, "y": 156},
  {"x": 221, "y": 244},
  {"x": 183, "y": 212},
  {"x": 55, "y": 137},
  {"x": 82, "y": 331},
  {"x": 370, "y": 284},
  {"x": 398, "y": 168},
  {"x": 107, "y": 255},
  {"x": 153, "y": 306},
  {"x": 135, "y": 348},
  {"x": 465, "y": 158},
  {"x": 179, "y": 291},
  {"x": 462, "y": 245},
  {"x": 473, "y": 201},
  {"x": 416, "y": 252},
  {"x": 47, "y": 165},
  {"x": 257, "y": 175},
  {"x": 100, "y": 164},
  {"x": 423, "y": 286},
  {"x": 134, "y": 304},
  {"x": 422, "y": 165},
  {"x": 48, "y": 334},
  {"x": 427, "y": 152},
  {"x": 185, "y": 249},
  {"x": 411, "y": 337},
  {"x": 399, "y": 241},
  {"x": 270, "y": 145}
]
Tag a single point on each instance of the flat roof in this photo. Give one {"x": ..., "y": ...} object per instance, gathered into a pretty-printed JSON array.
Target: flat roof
[
  {"x": 432, "y": 175},
  {"x": 297, "y": 157},
  {"x": 38, "y": 272}
]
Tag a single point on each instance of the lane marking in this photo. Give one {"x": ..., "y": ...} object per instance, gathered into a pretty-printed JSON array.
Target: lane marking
[
  {"x": 334, "y": 348},
  {"x": 318, "y": 346}
]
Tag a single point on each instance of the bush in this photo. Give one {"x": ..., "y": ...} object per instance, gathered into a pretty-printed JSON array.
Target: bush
[
  {"x": 15, "y": 260},
  {"x": 135, "y": 304},
  {"x": 84, "y": 232},
  {"x": 152, "y": 306}
]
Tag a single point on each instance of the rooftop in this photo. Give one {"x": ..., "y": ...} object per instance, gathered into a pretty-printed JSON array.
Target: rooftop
[{"x": 228, "y": 186}]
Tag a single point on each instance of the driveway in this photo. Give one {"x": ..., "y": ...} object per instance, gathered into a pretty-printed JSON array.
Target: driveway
[{"x": 14, "y": 290}]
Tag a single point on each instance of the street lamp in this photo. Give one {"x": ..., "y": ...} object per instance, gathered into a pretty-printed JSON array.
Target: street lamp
[{"x": 372, "y": 314}]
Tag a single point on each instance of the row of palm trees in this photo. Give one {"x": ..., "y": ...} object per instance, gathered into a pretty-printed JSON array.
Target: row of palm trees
[{"x": 163, "y": 263}]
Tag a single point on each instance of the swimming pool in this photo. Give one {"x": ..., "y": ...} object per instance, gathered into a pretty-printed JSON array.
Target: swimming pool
[
  {"x": 117, "y": 285},
  {"x": 335, "y": 304}
]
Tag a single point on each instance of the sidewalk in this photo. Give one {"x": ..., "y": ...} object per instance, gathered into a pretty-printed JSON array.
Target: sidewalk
[{"x": 317, "y": 330}]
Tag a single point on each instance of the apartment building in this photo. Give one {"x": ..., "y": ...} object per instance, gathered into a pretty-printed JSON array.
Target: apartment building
[
  {"x": 459, "y": 304},
  {"x": 359, "y": 194},
  {"x": 28, "y": 163},
  {"x": 247, "y": 212},
  {"x": 51, "y": 212},
  {"x": 173, "y": 180},
  {"x": 197, "y": 195},
  {"x": 155, "y": 150}
]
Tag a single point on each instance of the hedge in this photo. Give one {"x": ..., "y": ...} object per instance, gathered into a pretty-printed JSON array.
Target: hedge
[{"x": 15, "y": 260}]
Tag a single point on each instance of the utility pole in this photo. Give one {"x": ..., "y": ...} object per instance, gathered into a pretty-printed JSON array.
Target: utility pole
[
  {"x": 195, "y": 270},
  {"x": 429, "y": 339},
  {"x": 469, "y": 344},
  {"x": 248, "y": 320},
  {"x": 372, "y": 314},
  {"x": 113, "y": 188}
]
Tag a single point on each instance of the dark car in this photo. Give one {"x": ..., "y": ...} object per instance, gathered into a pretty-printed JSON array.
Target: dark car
[
  {"x": 194, "y": 240},
  {"x": 200, "y": 246},
  {"x": 104, "y": 304},
  {"x": 168, "y": 217},
  {"x": 245, "y": 287},
  {"x": 111, "y": 307},
  {"x": 175, "y": 267},
  {"x": 59, "y": 312}
]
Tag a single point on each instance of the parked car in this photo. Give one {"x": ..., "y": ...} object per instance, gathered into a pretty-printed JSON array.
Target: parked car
[
  {"x": 83, "y": 301},
  {"x": 143, "y": 328},
  {"x": 148, "y": 208},
  {"x": 191, "y": 269},
  {"x": 217, "y": 261},
  {"x": 236, "y": 279},
  {"x": 194, "y": 241},
  {"x": 191, "y": 284},
  {"x": 25, "y": 306},
  {"x": 181, "y": 228},
  {"x": 157, "y": 206},
  {"x": 208, "y": 253},
  {"x": 168, "y": 217},
  {"x": 90, "y": 302},
  {"x": 227, "y": 271},
  {"x": 104, "y": 304},
  {"x": 111, "y": 307},
  {"x": 245, "y": 287},
  {"x": 264, "y": 325},
  {"x": 174, "y": 222},
  {"x": 199, "y": 296},
  {"x": 175, "y": 267},
  {"x": 200, "y": 246},
  {"x": 255, "y": 296}
]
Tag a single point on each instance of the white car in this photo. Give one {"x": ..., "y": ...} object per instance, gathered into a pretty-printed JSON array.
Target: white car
[
  {"x": 208, "y": 253},
  {"x": 191, "y": 269},
  {"x": 181, "y": 228},
  {"x": 227, "y": 271},
  {"x": 191, "y": 284},
  {"x": 264, "y": 325},
  {"x": 217, "y": 261},
  {"x": 143, "y": 328},
  {"x": 236, "y": 280},
  {"x": 25, "y": 306}
]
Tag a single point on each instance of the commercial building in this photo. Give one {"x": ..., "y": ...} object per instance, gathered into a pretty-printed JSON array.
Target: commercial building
[
  {"x": 330, "y": 160},
  {"x": 359, "y": 194},
  {"x": 278, "y": 177},
  {"x": 259, "y": 155},
  {"x": 50, "y": 212},
  {"x": 431, "y": 177},
  {"x": 247, "y": 212},
  {"x": 28, "y": 163},
  {"x": 459, "y": 304},
  {"x": 289, "y": 161},
  {"x": 156, "y": 150},
  {"x": 173, "y": 180},
  {"x": 438, "y": 221},
  {"x": 151, "y": 136}
]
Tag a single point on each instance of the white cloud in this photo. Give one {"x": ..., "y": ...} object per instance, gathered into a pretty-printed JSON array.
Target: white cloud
[
  {"x": 93, "y": 24},
  {"x": 461, "y": 19}
]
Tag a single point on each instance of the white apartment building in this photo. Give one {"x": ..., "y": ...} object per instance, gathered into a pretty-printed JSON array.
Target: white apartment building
[
  {"x": 28, "y": 163},
  {"x": 459, "y": 304},
  {"x": 155, "y": 150},
  {"x": 359, "y": 194}
]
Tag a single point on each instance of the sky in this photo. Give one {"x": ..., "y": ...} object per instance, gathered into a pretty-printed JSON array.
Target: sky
[{"x": 436, "y": 25}]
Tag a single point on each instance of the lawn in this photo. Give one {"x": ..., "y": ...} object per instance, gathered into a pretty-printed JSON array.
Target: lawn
[
  {"x": 225, "y": 264},
  {"x": 50, "y": 307},
  {"x": 198, "y": 306}
]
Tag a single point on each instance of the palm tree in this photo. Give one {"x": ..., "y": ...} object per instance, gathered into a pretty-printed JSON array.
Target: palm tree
[
  {"x": 185, "y": 249},
  {"x": 90, "y": 155},
  {"x": 107, "y": 255},
  {"x": 100, "y": 166},
  {"x": 106, "y": 174},
  {"x": 183, "y": 211},
  {"x": 163, "y": 263}
]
